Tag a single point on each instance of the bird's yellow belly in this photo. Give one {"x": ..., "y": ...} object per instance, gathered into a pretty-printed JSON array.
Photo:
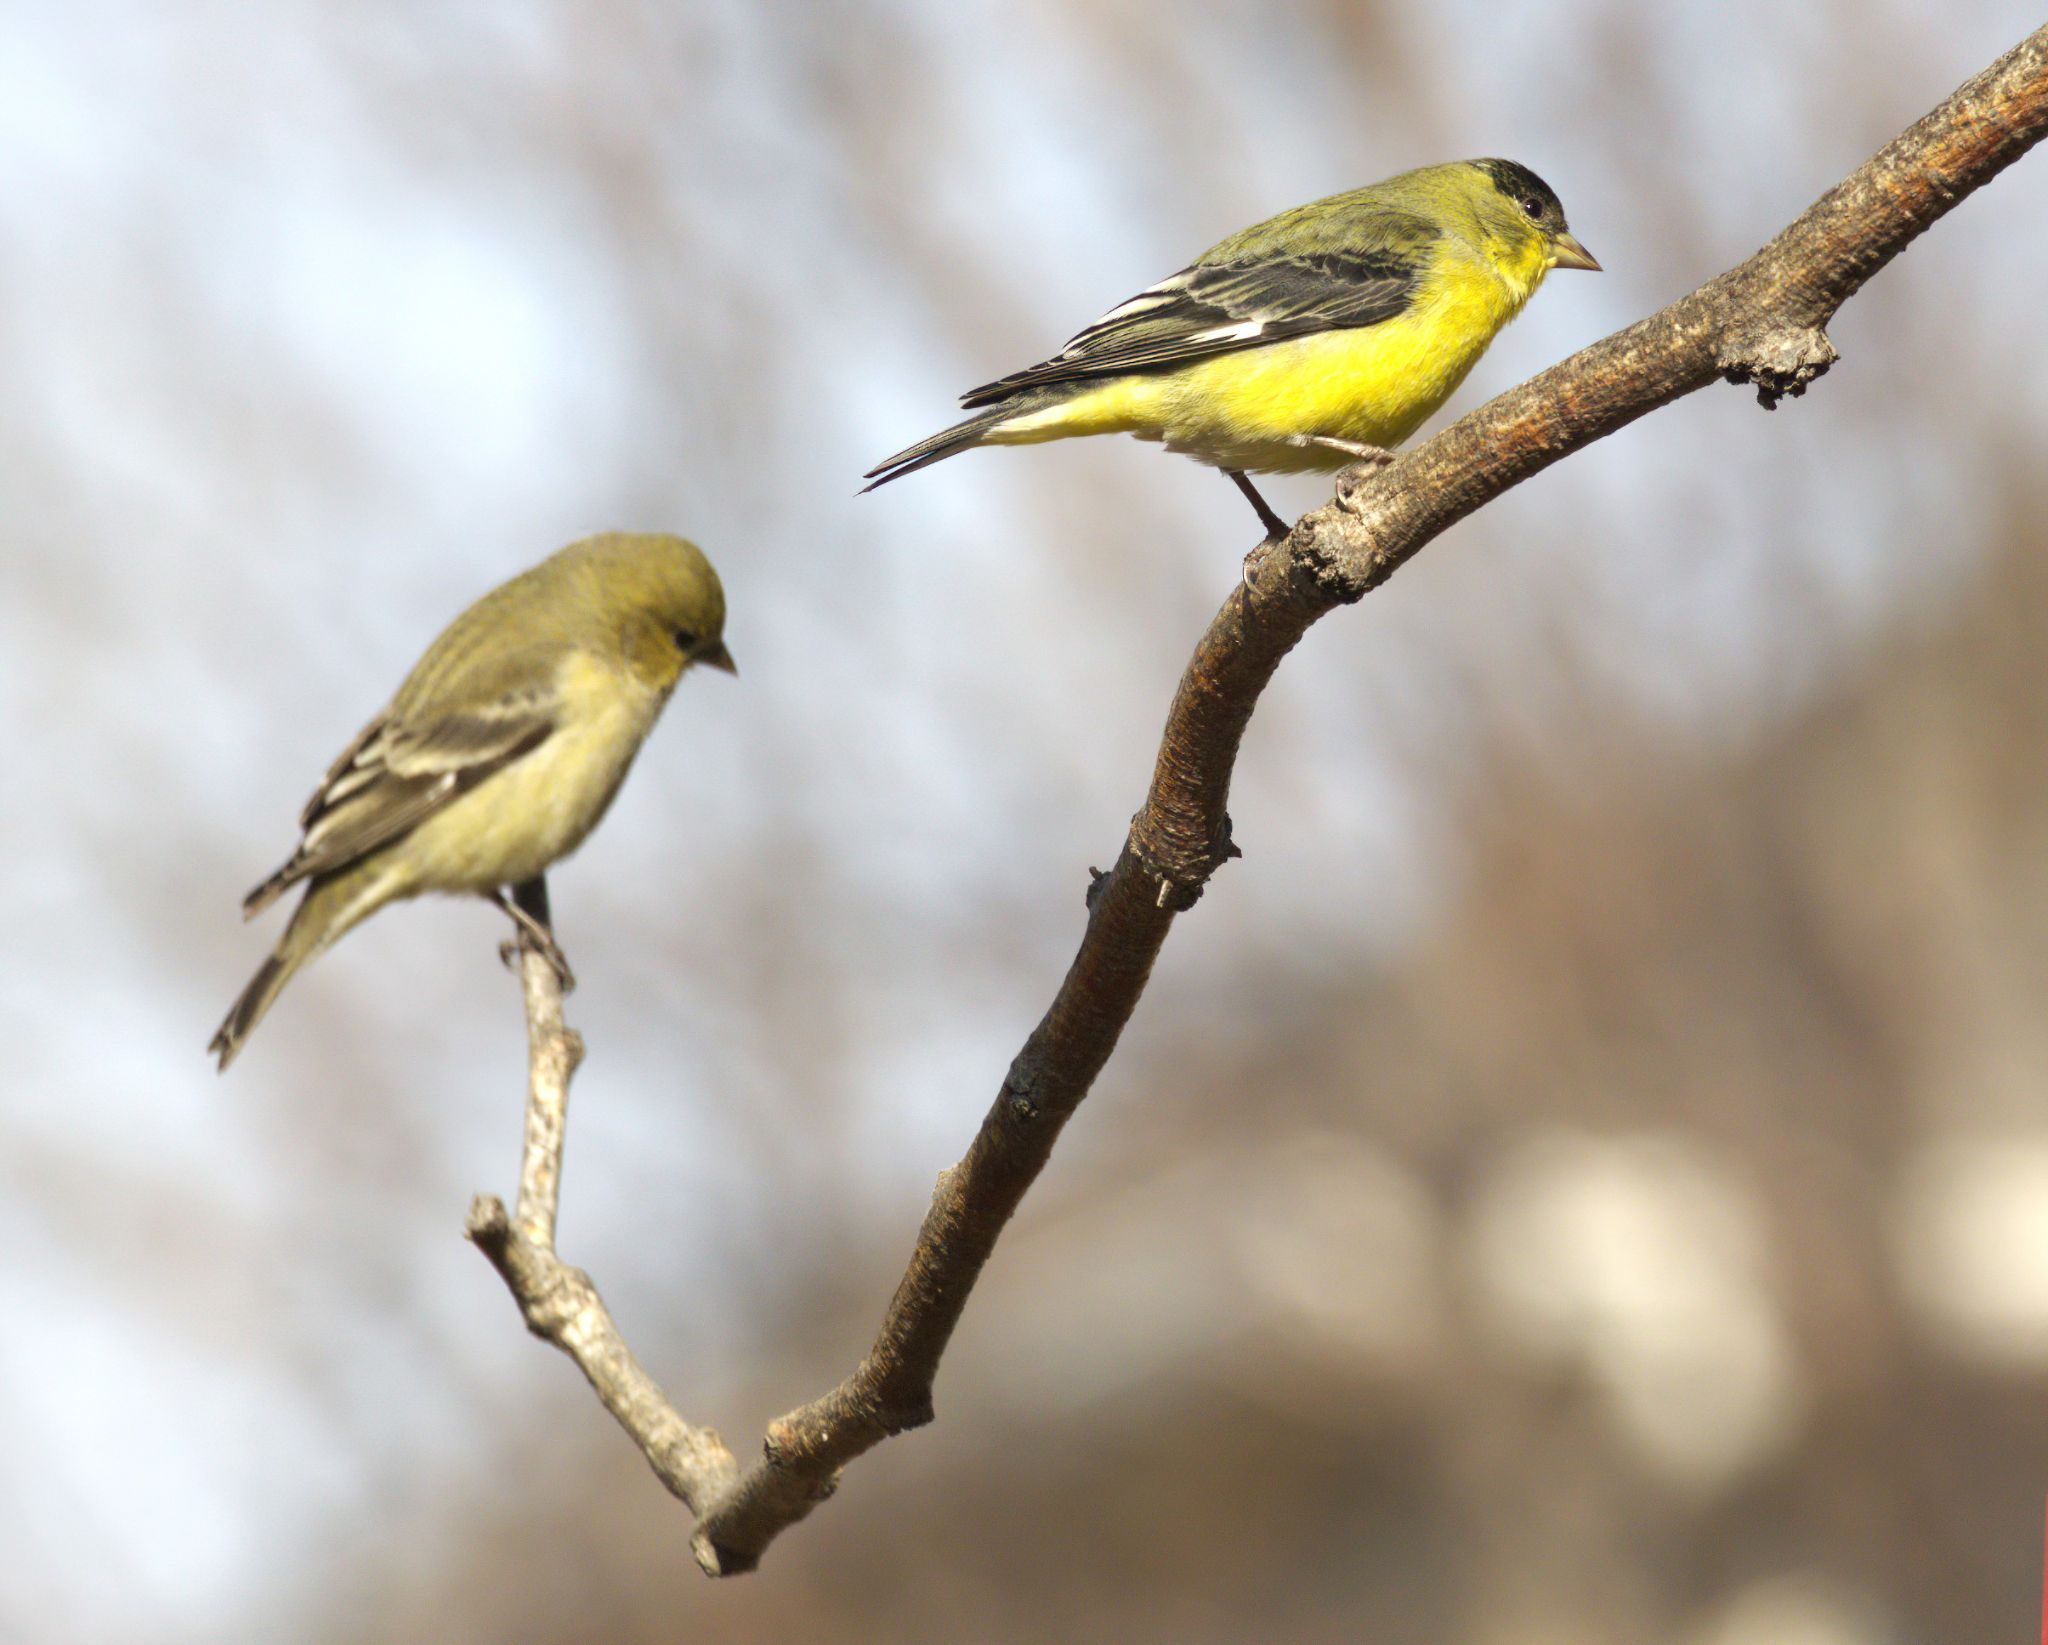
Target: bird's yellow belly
[
  {"x": 1374, "y": 384},
  {"x": 537, "y": 810}
]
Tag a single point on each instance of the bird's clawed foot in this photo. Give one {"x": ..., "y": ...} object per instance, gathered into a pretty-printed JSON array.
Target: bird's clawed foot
[
  {"x": 536, "y": 932},
  {"x": 1357, "y": 450}
]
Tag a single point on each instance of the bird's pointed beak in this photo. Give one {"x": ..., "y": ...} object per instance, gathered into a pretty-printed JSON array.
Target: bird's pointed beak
[
  {"x": 716, "y": 656},
  {"x": 1566, "y": 252}
]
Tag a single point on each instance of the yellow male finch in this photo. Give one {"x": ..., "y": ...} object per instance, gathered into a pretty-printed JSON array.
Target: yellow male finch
[{"x": 1314, "y": 339}]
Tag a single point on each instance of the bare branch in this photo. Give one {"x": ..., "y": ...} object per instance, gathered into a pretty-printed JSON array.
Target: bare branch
[
  {"x": 560, "y": 1304},
  {"x": 1762, "y": 323},
  {"x": 554, "y": 1052}
]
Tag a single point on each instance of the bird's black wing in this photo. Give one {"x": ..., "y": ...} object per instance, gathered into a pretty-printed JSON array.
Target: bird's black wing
[{"x": 1219, "y": 308}]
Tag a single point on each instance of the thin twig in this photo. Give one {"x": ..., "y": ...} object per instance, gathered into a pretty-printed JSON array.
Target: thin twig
[
  {"x": 560, "y": 1303},
  {"x": 1762, "y": 323},
  {"x": 554, "y": 1051}
]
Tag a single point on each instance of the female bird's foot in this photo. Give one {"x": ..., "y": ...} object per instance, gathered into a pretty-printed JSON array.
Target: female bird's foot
[
  {"x": 543, "y": 940},
  {"x": 1275, "y": 527}
]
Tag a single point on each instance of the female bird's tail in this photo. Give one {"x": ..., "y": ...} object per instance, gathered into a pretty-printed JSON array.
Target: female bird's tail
[
  {"x": 946, "y": 443},
  {"x": 247, "y": 1011},
  {"x": 331, "y": 906}
]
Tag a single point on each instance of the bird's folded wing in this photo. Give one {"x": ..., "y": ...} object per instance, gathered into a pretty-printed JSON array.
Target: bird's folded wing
[
  {"x": 1219, "y": 308},
  {"x": 397, "y": 773}
]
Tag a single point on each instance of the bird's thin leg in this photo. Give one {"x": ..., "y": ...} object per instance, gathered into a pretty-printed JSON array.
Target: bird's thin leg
[
  {"x": 527, "y": 908},
  {"x": 1378, "y": 456},
  {"x": 1276, "y": 528}
]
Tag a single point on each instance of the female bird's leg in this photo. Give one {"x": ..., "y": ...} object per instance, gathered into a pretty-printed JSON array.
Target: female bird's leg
[
  {"x": 528, "y": 909},
  {"x": 1276, "y": 528},
  {"x": 1377, "y": 456}
]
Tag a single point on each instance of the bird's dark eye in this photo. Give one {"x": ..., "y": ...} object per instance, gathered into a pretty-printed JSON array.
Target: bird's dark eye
[
  {"x": 686, "y": 639},
  {"x": 1533, "y": 205}
]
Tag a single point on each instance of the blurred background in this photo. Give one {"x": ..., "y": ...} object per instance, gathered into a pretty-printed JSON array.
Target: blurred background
[{"x": 1583, "y": 1177}]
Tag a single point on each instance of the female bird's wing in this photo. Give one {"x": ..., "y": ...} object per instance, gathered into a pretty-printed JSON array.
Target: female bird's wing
[
  {"x": 1238, "y": 302},
  {"x": 400, "y": 771}
]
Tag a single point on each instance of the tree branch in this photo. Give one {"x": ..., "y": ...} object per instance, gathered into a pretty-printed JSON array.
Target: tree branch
[
  {"x": 560, "y": 1304},
  {"x": 1762, "y": 323}
]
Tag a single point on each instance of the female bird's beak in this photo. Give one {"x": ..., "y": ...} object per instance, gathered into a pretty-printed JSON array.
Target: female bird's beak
[
  {"x": 1566, "y": 252},
  {"x": 716, "y": 656}
]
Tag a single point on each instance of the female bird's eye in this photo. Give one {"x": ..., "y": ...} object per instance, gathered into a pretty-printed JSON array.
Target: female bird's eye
[{"x": 686, "y": 639}]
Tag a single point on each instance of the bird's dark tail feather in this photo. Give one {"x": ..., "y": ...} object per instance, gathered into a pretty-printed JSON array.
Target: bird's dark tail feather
[
  {"x": 247, "y": 1011},
  {"x": 329, "y": 908},
  {"x": 946, "y": 443}
]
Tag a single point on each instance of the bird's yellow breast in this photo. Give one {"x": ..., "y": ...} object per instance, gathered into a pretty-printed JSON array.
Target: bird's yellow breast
[
  {"x": 1372, "y": 384},
  {"x": 515, "y": 823}
]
